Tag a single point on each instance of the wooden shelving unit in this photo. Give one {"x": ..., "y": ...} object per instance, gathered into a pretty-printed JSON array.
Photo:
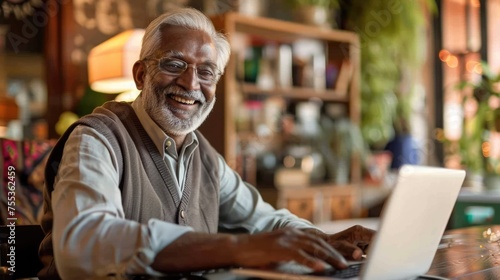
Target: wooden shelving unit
[
  {"x": 297, "y": 93},
  {"x": 221, "y": 128}
]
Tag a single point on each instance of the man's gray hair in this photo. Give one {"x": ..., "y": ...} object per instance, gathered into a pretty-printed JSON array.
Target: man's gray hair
[{"x": 188, "y": 18}]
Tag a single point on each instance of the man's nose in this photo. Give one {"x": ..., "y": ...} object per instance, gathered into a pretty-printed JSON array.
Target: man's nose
[{"x": 189, "y": 79}]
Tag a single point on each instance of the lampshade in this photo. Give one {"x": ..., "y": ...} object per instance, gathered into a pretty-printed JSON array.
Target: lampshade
[
  {"x": 128, "y": 95},
  {"x": 110, "y": 63}
]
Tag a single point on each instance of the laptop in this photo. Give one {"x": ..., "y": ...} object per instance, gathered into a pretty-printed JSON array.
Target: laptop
[{"x": 412, "y": 223}]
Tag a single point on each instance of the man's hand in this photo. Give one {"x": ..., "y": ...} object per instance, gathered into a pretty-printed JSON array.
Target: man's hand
[
  {"x": 287, "y": 244},
  {"x": 352, "y": 243},
  {"x": 195, "y": 251}
]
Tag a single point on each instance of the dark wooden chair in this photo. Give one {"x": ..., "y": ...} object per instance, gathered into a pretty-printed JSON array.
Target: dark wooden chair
[{"x": 27, "y": 239}]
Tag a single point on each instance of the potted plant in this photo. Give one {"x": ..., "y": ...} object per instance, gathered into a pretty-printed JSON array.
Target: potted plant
[
  {"x": 341, "y": 145},
  {"x": 480, "y": 141},
  {"x": 314, "y": 12}
]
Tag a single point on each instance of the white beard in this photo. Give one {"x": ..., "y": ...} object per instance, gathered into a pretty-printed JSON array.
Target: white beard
[{"x": 154, "y": 99}]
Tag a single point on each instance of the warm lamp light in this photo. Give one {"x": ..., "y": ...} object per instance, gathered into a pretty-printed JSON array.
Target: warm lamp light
[
  {"x": 110, "y": 63},
  {"x": 9, "y": 110}
]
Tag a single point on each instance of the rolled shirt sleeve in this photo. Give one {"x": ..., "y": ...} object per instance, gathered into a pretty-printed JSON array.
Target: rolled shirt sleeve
[{"x": 91, "y": 236}]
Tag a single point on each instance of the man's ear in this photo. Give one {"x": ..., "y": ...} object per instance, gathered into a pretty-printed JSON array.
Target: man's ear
[{"x": 139, "y": 72}]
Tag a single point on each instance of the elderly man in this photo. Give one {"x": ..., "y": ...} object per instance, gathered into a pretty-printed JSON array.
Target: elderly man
[{"x": 136, "y": 189}]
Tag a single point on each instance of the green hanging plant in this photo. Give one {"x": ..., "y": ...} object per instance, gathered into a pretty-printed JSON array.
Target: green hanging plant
[{"x": 391, "y": 41}]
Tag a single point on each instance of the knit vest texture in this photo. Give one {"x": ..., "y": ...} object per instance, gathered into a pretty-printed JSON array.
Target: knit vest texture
[{"x": 147, "y": 189}]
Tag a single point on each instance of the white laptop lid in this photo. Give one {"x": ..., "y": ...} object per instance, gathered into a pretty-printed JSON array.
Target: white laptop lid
[{"x": 412, "y": 223}]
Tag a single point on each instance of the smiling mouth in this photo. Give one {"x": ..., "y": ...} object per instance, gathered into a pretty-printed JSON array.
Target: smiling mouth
[{"x": 182, "y": 100}]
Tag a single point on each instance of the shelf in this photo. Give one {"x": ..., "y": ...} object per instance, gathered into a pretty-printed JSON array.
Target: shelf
[
  {"x": 233, "y": 131},
  {"x": 225, "y": 127},
  {"x": 320, "y": 203},
  {"x": 298, "y": 93},
  {"x": 274, "y": 29}
]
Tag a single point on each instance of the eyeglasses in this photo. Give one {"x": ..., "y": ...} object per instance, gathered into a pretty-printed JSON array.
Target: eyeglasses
[{"x": 207, "y": 73}]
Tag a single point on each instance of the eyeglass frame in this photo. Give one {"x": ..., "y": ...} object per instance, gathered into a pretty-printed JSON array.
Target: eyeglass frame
[{"x": 217, "y": 73}]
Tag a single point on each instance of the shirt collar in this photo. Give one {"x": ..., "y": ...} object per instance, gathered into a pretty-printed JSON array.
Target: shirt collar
[{"x": 162, "y": 141}]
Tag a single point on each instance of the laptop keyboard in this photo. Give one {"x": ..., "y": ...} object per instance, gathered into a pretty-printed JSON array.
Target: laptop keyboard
[{"x": 352, "y": 271}]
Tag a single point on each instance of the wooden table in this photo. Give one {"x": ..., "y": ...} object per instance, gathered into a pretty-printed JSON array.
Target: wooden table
[
  {"x": 462, "y": 254},
  {"x": 467, "y": 254}
]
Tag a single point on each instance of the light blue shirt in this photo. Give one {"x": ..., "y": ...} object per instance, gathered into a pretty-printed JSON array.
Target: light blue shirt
[{"x": 87, "y": 207}]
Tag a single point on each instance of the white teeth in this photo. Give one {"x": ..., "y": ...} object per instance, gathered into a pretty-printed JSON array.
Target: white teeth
[{"x": 182, "y": 100}]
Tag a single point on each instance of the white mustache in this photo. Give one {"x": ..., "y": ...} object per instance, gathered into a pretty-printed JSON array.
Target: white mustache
[{"x": 194, "y": 94}]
